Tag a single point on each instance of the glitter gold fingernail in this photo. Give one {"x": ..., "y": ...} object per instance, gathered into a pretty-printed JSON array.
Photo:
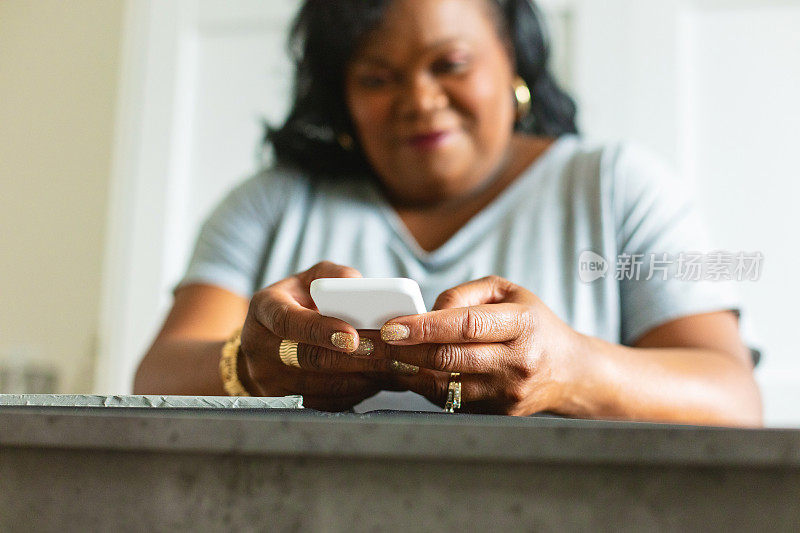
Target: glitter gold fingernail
[
  {"x": 405, "y": 369},
  {"x": 344, "y": 341},
  {"x": 365, "y": 347},
  {"x": 394, "y": 332}
]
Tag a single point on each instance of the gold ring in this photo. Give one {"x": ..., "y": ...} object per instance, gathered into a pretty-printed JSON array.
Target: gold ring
[
  {"x": 288, "y": 353},
  {"x": 453, "y": 393}
]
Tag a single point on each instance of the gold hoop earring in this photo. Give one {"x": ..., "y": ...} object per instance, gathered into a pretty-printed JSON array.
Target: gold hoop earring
[
  {"x": 522, "y": 96},
  {"x": 345, "y": 141}
]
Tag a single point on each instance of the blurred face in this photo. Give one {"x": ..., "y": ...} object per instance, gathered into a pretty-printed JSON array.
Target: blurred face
[{"x": 430, "y": 96}]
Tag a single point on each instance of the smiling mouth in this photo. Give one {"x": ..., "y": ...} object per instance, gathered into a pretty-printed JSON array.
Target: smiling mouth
[{"x": 429, "y": 141}]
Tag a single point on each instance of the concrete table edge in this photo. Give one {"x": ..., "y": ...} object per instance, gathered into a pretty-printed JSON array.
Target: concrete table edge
[{"x": 305, "y": 433}]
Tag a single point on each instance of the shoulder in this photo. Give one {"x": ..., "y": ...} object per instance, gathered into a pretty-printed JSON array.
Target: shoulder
[
  {"x": 634, "y": 165},
  {"x": 572, "y": 160},
  {"x": 271, "y": 184},
  {"x": 589, "y": 157},
  {"x": 622, "y": 171},
  {"x": 643, "y": 182},
  {"x": 577, "y": 168},
  {"x": 263, "y": 194}
]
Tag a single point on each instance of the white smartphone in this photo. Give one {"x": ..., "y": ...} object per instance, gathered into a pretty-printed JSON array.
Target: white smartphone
[{"x": 367, "y": 303}]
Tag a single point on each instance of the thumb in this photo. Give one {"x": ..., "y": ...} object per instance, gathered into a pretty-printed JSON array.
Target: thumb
[
  {"x": 488, "y": 290},
  {"x": 299, "y": 285},
  {"x": 327, "y": 269}
]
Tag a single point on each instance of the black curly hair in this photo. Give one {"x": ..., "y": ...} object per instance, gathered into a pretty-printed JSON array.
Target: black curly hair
[{"x": 324, "y": 37}]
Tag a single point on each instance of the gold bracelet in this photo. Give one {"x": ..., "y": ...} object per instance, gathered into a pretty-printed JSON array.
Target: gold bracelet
[{"x": 227, "y": 366}]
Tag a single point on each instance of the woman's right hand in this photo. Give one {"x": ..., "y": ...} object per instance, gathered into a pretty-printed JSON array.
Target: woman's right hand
[{"x": 335, "y": 371}]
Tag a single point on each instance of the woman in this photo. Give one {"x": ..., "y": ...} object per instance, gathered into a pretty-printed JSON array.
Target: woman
[{"x": 411, "y": 151}]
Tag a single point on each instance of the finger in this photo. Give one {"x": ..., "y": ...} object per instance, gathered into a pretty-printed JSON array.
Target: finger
[
  {"x": 265, "y": 366},
  {"x": 318, "y": 359},
  {"x": 327, "y": 269},
  {"x": 299, "y": 285},
  {"x": 488, "y": 290},
  {"x": 281, "y": 314},
  {"x": 469, "y": 358},
  {"x": 434, "y": 386},
  {"x": 480, "y": 323},
  {"x": 479, "y": 394},
  {"x": 371, "y": 345},
  {"x": 286, "y": 309}
]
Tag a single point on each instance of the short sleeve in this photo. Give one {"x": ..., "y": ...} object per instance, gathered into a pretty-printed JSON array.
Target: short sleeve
[
  {"x": 229, "y": 249},
  {"x": 663, "y": 246}
]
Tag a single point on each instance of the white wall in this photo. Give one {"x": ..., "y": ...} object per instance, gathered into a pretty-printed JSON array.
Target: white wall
[
  {"x": 59, "y": 65},
  {"x": 744, "y": 80}
]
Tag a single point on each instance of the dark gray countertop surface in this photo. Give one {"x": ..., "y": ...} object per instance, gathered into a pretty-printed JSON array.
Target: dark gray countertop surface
[{"x": 393, "y": 435}]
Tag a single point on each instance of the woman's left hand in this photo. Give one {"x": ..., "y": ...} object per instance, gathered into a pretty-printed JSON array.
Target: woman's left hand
[{"x": 512, "y": 351}]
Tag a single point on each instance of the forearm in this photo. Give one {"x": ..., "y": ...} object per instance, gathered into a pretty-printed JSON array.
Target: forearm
[
  {"x": 684, "y": 385},
  {"x": 181, "y": 367}
]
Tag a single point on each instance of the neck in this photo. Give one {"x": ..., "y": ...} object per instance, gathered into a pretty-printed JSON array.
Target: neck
[{"x": 503, "y": 173}]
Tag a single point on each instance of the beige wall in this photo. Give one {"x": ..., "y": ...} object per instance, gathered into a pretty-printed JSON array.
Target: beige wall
[{"x": 59, "y": 65}]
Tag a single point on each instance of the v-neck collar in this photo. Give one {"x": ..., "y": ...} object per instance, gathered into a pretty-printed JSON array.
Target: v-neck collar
[{"x": 474, "y": 227}]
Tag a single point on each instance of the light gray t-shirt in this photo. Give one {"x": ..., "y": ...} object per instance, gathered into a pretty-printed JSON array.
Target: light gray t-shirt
[{"x": 578, "y": 199}]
